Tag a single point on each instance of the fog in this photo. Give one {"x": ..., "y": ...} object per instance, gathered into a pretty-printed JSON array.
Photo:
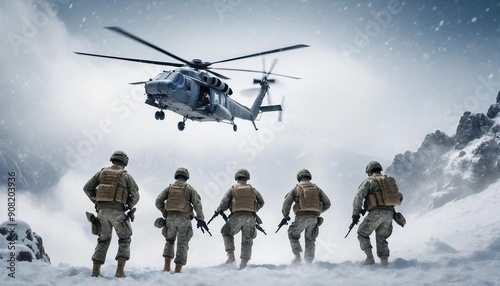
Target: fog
[{"x": 376, "y": 79}]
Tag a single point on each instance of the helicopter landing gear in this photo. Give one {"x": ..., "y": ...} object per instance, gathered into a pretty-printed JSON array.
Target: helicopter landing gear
[
  {"x": 235, "y": 128},
  {"x": 182, "y": 124},
  {"x": 159, "y": 115}
]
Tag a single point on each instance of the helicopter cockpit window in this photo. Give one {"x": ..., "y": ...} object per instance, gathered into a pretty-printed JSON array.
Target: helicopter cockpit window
[
  {"x": 162, "y": 75},
  {"x": 177, "y": 78}
]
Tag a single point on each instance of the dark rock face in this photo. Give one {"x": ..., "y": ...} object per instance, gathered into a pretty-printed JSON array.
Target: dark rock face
[
  {"x": 471, "y": 127},
  {"x": 494, "y": 108},
  {"x": 17, "y": 237},
  {"x": 447, "y": 168}
]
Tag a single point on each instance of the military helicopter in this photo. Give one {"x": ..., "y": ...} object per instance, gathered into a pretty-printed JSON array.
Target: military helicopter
[{"x": 195, "y": 91}]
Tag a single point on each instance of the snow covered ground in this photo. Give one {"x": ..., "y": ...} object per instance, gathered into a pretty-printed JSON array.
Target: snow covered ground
[{"x": 457, "y": 244}]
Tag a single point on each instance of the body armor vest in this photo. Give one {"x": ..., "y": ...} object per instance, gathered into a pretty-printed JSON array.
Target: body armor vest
[
  {"x": 308, "y": 199},
  {"x": 386, "y": 194},
  {"x": 243, "y": 199},
  {"x": 109, "y": 189},
  {"x": 177, "y": 201}
]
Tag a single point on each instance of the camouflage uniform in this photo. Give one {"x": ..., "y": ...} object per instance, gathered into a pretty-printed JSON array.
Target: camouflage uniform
[
  {"x": 379, "y": 218},
  {"x": 304, "y": 221},
  {"x": 111, "y": 215},
  {"x": 178, "y": 225},
  {"x": 240, "y": 220}
]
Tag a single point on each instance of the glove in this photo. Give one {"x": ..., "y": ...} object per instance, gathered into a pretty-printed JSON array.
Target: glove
[
  {"x": 355, "y": 219},
  {"x": 201, "y": 224}
]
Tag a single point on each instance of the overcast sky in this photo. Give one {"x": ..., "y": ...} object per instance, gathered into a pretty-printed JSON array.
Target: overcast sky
[{"x": 378, "y": 76}]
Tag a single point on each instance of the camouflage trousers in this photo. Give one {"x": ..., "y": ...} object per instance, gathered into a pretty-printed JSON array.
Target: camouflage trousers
[
  {"x": 380, "y": 221},
  {"x": 178, "y": 227},
  {"x": 109, "y": 219},
  {"x": 244, "y": 221},
  {"x": 309, "y": 225}
]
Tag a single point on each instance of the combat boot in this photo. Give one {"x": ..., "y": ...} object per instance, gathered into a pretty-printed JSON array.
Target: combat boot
[
  {"x": 120, "y": 266},
  {"x": 369, "y": 257},
  {"x": 384, "y": 260},
  {"x": 297, "y": 259},
  {"x": 178, "y": 268},
  {"x": 96, "y": 269},
  {"x": 243, "y": 264},
  {"x": 230, "y": 257},
  {"x": 166, "y": 267}
]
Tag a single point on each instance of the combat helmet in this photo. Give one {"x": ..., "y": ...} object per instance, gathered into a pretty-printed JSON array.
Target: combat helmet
[
  {"x": 304, "y": 174},
  {"x": 242, "y": 174},
  {"x": 181, "y": 172},
  {"x": 119, "y": 156},
  {"x": 373, "y": 165}
]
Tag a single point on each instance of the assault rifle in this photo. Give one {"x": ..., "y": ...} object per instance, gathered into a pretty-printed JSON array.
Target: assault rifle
[
  {"x": 131, "y": 214},
  {"x": 202, "y": 226},
  {"x": 258, "y": 227},
  {"x": 282, "y": 223},
  {"x": 224, "y": 216},
  {"x": 258, "y": 223},
  {"x": 355, "y": 220},
  {"x": 215, "y": 215}
]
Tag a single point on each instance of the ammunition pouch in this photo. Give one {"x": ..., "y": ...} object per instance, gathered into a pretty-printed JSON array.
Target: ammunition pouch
[
  {"x": 96, "y": 229},
  {"x": 399, "y": 219},
  {"x": 160, "y": 222},
  {"x": 320, "y": 221},
  {"x": 95, "y": 224}
]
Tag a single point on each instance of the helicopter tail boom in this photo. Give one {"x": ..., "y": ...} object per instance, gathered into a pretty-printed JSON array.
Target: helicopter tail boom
[{"x": 258, "y": 101}]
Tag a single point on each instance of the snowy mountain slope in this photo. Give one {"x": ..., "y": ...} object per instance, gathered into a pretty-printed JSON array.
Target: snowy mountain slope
[
  {"x": 448, "y": 168},
  {"x": 33, "y": 172},
  {"x": 456, "y": 244}
]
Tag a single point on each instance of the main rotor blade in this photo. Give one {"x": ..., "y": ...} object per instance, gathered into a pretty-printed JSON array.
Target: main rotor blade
[
  {"x": 217, "y": 74},
  {"x": 137, "y": 82},
  {"x": 133, "y": 60},
  {"x": 264, "y": 53},
  {"x": 243, "y": 70},
  {"x": 135, "y": 38}
]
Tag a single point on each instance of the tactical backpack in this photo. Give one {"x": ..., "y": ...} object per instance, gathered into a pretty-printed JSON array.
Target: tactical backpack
[
  {"x": 109, "y": 190},
  {"x": 387, "y": 194},
  {"x": 308, "y": 199}
]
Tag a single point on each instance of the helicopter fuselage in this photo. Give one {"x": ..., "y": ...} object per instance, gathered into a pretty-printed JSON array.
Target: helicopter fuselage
[{"x": 182, "y": 90}]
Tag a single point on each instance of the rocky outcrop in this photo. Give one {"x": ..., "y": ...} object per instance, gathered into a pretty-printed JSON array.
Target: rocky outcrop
[
  {"x": 17, "y": 239},
  {"x": 471, "y": 127},
  {"x": 447, "y": 168}
]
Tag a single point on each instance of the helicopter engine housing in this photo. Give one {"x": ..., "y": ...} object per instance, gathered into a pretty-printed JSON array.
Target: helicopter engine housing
[{"x": 217, "y": 84}]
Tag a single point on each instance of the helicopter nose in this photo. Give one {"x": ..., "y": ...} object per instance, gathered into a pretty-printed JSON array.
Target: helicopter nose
[{"x": 159, "y": 87}]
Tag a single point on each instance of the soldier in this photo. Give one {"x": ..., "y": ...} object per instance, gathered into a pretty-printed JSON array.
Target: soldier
[
  {"x": 310, "y": 201},
  {"x": 176, "y": 203},
  {"x": 113, "y": 190},
  {"x": 244, "y": 201},
  {"x": 380, "y": 215}
]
